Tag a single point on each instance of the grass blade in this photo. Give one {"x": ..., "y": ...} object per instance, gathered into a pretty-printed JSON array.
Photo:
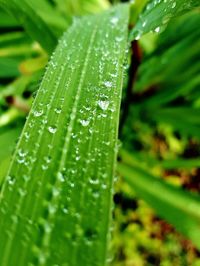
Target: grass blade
[
  {"x": 159, "y": 13},
  {"x": 9, "y": 67},
  {"x": 32, "y": 22},
  {"x": 178, "y": 207},
  {"x": 79, "y": 7},
  {"x": 188, "y": 118},
  {"x": 56, "y": 201},
  {"x": 180, "y": 163},
  {"x": 8, "y": 138}
]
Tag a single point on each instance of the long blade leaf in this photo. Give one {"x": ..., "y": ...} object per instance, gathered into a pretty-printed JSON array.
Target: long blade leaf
[
  {"x": 55, "y": 204},
  {"x": 158, "y": 13},
  {"x": 32, "y": 22},
  {"x": 178, "y": 207}
]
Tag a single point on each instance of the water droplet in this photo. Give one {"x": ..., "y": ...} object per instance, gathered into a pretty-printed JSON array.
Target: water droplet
[
  {"x": 144, "y": 24},
  {"x": 57, "y": 110},
  {"x": 84, "y": 123},
  {"x": 38, "y": 113},
  {"x": 11, "y": 180},
  {"x": 22, "y": 153},
  {"x": 21, "y": 192},
  {"x": 157, "y": 29},
  {"x": 71, "y": 184},
  {"x": 94, "y": 181},
  {"x": 114, "y": 20},
  {"x": 104, "y": 186},
  {"x": 55, "y": 192},
  {"x": 61, "y": 177},
  {"x": 20, "y": 160},
  {"x": 119, "y": 38},
  {"x": 44, "y": 167},
  {"x": 174, "y": 5},
  {"x": 95, "y": 194},
  {"x": 137, "y": 35},
  {"x": 65, "y": 210},
  {"x": 26, "y": 135},
  {"x": 108, "y": 84},
  {"x": 47, "y": 227},
  {"x": 52, "y": 129},
  {"x": 77, "y": 158},
  {"x": 52, "y": 209},
  {"x": 103, "y": 104},
  {"x": 44, "y": 121},
  {"x": 47, "y": 159}
]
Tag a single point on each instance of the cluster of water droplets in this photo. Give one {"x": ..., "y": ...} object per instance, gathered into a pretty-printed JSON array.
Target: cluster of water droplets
[
  {"x": 21, "y": 156},
  {"x": 146, "y": 24}
]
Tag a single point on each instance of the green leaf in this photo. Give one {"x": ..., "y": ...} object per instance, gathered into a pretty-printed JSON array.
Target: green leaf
[
  {"x": 180, "y": 163},
  {"x": 8, "y": 39},
  {"x": 9, "y": 67},
  {"x": 6, "y": 20},
  {"x": 55, "y": 204},
  {"x": 32, "y": 22},
  {"x": 80, "y": 7},
  {"x": 57, "y": 23},
  {"x": 177, "y": 206},
  {"x": 158, "y": 13},
  {"x": 16, "y": 87},
  {"x": 169, "y": 68},
  {"x": 184, "y": 119},
  {"x": 8, "y": 139}
]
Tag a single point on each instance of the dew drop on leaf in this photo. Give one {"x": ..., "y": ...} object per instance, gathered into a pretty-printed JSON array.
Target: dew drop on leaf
[
  {"x": 77, "y": 158},
  {"x": 61, "y": 177},
  {"x": 51, "y": 208},
  {"x": 38, "y": 113},
  {"x": 27, "y": 136},
  {"x": 57, "y": 110},
  {"x": 174, "y": 5},
  {"x": 114, "y": 20},
  {"x": 44, "y": 167},
  {"x": 55, "y": 192},
  {"x": 52, "y": 129},
  {"x": 22, "y": 153},
  {"x": 71, "y": 184},
  {"x": 144, "y": 23},
  {"x": 20, "y": 160},
  {"x": 103, "y": 104},
  {"x": 11, "y": 180},
  {"x": 21, "y": 192},
  {"x": 119, "y": 39},
  {"x": 84, "y": 123},
  {"x": 137, "y": 35},
  {"x": 157, "y": 29},
  {"x": 47, "y": 159},
  {"x": 104, "y": 186},
  {"x": 108, "y": 84},
  {"x": 94, "y": 181},
  {"x": 95, "y": 194}
]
